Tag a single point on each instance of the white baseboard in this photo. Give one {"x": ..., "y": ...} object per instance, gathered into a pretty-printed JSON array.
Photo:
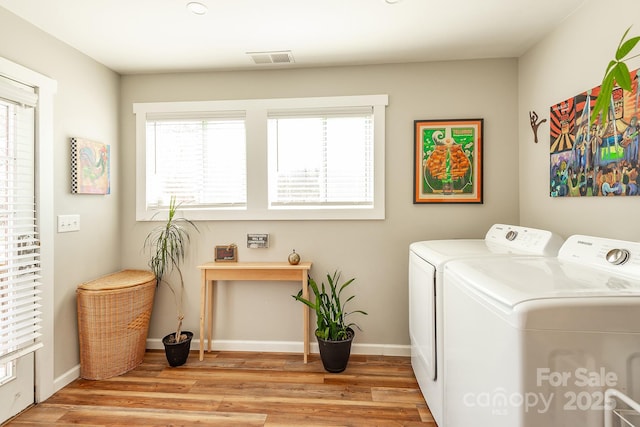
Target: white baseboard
[
  {"x": 289, "y": 347},
  {"x": 67, "y": 378}
]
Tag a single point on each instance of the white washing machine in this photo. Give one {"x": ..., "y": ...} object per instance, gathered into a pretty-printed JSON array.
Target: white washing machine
[
  {"x": 426, "y": 262},
  {"x": 533, "y": 341}
]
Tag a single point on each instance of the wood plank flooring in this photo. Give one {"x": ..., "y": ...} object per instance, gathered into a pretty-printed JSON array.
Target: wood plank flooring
[{"x": 241, "y": 389}]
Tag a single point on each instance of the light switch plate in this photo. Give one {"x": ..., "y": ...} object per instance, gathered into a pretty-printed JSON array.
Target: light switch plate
[{"x": 67, "y": 223}]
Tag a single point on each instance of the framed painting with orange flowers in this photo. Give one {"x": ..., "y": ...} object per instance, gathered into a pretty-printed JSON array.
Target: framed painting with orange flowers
[{"x": 448, "y": 161}]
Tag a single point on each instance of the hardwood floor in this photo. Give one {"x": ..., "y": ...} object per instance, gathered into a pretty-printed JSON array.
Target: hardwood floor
[{"x": 241, "y": 389}]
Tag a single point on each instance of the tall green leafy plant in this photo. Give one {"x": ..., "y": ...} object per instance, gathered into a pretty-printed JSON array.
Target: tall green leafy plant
[
  {"x": 617, "y": 72},
  {"x": 330, "y": 310},
  {"x": 167, "y": 244}
]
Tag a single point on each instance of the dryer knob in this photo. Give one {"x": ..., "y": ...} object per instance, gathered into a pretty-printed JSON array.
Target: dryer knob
[
  {"x": 511, "y": 235},
  {"x": 617, "y": 256}
]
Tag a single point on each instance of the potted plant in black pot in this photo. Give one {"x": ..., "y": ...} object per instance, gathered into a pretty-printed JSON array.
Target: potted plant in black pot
[
  {"x": 167, "y": 244},
  {"x": 333, "y": 333}
]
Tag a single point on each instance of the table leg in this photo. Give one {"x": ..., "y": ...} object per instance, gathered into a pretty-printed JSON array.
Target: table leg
[
  {"x": 305, "y": 315},
  {"x": 203, "y": 303},
  {"x": 210, "y": 311}
]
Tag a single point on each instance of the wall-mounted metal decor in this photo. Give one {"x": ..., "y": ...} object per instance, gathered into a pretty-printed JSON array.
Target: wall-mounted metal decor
[{"x": 535, "y": 124}]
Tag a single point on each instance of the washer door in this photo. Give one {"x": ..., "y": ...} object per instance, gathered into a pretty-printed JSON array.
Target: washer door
[{"x": 422, "y": 316}]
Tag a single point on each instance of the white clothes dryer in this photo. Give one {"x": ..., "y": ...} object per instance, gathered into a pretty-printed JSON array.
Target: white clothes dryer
[
  {"x": 533, "y": 341},
  {"x": 426, "y": 262}
]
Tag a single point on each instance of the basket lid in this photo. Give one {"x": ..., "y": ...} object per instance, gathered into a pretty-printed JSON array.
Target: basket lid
[{"x": 119, "y": 280}]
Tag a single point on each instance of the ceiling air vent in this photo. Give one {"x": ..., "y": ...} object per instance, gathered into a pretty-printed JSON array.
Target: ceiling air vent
[{"x": 279, "y": 57}]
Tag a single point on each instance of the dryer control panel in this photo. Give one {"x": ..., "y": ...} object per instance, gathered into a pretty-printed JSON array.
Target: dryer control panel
[{"x": 524, "y": 239}]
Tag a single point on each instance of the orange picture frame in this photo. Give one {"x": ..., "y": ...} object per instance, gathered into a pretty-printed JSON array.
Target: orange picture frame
[{"x": 448, "y": 161}]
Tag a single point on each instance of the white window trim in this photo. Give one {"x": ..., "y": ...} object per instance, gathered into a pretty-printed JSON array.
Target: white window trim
[
  {"x": 257, "y": 181},
  {"x": 46, "y": 89}
]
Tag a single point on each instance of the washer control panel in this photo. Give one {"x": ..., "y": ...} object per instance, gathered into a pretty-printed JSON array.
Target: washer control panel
[{"x": 619, "y": 255}]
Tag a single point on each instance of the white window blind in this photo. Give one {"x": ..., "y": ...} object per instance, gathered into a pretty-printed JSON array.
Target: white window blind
[
  {"x": 19, "y": 242},
  {"x": 321, "y": 158},
  {"x": 310, "y": 158},
  {"x": 199, "y": 160}
]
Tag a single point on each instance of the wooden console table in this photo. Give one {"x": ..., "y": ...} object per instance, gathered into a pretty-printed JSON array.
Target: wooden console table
[{"x": 275, "y": 271}]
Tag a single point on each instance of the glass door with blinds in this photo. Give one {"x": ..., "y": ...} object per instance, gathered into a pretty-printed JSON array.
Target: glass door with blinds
[{"x": 19, "y": 249}]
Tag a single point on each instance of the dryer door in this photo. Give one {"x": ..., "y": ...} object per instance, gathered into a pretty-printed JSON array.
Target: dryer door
[{"x": 422, "y": 315}]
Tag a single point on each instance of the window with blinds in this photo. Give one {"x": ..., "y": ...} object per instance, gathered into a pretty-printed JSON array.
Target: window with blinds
[
  {"x": 19, "y": 241},
  {"x": 321, "y": 159},
  {"x": 262, "y": 159},
  {"x": 200, "y": 160}
]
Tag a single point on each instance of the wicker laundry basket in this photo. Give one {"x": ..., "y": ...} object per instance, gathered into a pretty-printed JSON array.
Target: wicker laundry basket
[{"x": 113, "y": 322}]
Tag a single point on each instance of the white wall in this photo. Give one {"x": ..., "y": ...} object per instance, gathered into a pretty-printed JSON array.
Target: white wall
[
  {"x": 86, "y": 105},
  {"x": 567, "y": 62},
  {"x": 375, "y": 252}
]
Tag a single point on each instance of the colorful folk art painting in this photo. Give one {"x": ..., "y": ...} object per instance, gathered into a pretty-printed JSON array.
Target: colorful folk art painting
[
  {"x": 447, "y": 160},
  {"x": 90, "y": 167},
  {"x": 595, "y": 158}
]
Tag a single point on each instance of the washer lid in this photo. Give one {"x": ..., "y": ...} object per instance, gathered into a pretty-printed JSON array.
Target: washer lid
[{"x": 511, "y": 281}]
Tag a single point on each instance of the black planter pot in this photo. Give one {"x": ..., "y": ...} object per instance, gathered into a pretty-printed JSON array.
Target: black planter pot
[
  {"x": 335, "y": 354},
  {"x": 177, "y": 353}
]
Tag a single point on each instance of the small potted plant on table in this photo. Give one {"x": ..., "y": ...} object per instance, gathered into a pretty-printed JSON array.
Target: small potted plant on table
[
  {"x": 167, "y": 244},
  {"x": 333, "y": 333}
]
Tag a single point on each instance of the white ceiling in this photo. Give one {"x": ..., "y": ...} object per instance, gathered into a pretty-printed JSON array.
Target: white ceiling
[{"x": 139, "y": 36}]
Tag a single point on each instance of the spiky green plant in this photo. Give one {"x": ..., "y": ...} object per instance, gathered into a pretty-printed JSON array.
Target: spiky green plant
[
  {"x": 330, "y": 311},
  {"x": 167, "y": 244},
  {"x": 617, "y": 72}
]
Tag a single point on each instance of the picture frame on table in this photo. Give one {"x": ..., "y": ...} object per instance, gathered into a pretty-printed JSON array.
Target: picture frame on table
[{"x": 228, "y": 253}]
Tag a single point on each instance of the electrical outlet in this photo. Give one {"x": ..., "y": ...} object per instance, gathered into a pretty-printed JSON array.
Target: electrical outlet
[{"x": 68, "y": 223}]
